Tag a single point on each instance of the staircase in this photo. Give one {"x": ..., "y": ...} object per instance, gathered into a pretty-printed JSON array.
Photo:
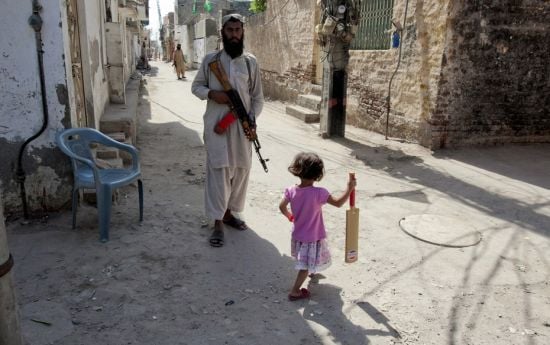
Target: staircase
[
  {"x": 119, "y": 121},
  {"x": 307, "y": 106}
]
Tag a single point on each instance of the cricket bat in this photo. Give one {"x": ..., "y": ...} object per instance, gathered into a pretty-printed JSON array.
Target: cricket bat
[{"x": 352, "y": 228}]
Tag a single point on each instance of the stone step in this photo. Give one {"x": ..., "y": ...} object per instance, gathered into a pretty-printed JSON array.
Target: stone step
[
  {"x": 110, "y": 163},
  {"x": 123, "y": 117},
  {"x": 121, "y": 137},
  {"x": 312, "y": 102},
  {"x": 126, "y": 127},
  {"x": 304, "y": 114},
  {"x": 104, "y": 152},
  {"x": 316, "y": 90}
]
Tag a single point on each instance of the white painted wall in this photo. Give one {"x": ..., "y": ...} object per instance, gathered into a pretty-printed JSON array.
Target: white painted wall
[
  {"x": 114, "y": 10},
  {"x": 116, "y": 46},
  {"x": 198, "y": 50},
  {"x": 91, "y": 14},
  {"x": 136, "y": 48},
  {"x": 20, "y": 99},
  {"x": 21, "y": 113},
  {"x": 203, "y": 46},
  {"x": 129, "y": 53},
  {"x": 183, "y": 37}
]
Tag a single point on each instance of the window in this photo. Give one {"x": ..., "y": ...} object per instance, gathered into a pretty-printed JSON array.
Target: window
[{"x": 374, "y": 25}]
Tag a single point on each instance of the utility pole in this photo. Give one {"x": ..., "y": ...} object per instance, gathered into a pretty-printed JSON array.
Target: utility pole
[
  {"x": 10, "y": 332},
  {"x": 161, "y": 31},
  {"x": 339, "y": 20}
]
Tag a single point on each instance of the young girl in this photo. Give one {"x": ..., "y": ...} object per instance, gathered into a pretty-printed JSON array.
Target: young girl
[{"x": 308, "y": 245}]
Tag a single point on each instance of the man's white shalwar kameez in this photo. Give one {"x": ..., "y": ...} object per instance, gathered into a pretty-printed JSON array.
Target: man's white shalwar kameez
[{"x": 228, "y": 156}]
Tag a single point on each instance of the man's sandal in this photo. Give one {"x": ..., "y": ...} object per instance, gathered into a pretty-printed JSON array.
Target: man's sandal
[
  {"x": 235, "y": 223},
  {"x": 216, "y": 239}
]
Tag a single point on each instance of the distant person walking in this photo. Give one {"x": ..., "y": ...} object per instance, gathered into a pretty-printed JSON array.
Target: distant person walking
[
  {"x": 228, "y": 151},
  {"x": 179, "y": 62},
  {"x": 308, "y": 245}
]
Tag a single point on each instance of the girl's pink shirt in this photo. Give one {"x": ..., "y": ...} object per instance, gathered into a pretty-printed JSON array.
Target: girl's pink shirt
[{"x": 306, "y": 204}]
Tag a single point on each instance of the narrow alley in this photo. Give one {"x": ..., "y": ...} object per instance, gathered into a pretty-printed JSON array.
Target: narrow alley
[{"x": 159, "y": 282}]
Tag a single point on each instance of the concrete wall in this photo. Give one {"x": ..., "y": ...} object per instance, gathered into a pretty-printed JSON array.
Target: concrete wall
[
  {"x": 113, "y": 5},
  {"x": 201, "y": 47},
  {"x": 92, "y": 43},
  {"x": 48, "y": 172},
  {"x": 469, "y": 74},
  {"x": 205, "y": 40},
  {"x": 184, "y": 36},
  {"x": 115, "y": 47},
  {"x": 130, "y": 60},
  {"x": 286, "y": 51},
  {"x": 282, "y": 40},
  {"x": 495, "y": 84}
]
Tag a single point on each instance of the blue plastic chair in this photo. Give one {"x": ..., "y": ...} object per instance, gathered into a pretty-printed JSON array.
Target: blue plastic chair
[{"x": 76, "y": 143}]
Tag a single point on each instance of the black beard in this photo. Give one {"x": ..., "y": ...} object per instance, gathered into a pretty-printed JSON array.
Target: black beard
[{"x": 234, "y": 49}]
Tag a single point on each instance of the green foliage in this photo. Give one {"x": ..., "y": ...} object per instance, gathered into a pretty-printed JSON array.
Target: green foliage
[{"x": 257, "y": 6}]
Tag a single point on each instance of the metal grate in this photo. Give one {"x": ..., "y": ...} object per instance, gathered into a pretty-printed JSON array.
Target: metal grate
[{"x": 374, "y": 25}]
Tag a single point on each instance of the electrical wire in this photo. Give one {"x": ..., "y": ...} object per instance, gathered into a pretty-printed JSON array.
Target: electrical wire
[{"x": 395, "y": 72}]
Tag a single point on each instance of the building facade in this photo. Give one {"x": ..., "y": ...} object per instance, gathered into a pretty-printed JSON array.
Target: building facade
[
  {"x": 89, "y": 50},
  {"x": 461, "y": 73}
]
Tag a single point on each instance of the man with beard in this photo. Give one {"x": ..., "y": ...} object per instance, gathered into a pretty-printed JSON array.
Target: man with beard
[
  {"x": 228, "y": 151},
  {"x": 179, "y": 62}
]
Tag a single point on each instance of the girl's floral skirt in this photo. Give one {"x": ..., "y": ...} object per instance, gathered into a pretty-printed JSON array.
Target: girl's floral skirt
[{"x": 311, "y": 256}]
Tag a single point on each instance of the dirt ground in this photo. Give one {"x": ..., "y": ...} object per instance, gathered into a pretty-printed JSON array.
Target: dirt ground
[{"x": 159, "y": 282}]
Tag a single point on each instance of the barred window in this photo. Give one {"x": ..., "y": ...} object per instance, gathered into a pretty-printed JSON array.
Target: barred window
[{"x": 374, "y": 25}]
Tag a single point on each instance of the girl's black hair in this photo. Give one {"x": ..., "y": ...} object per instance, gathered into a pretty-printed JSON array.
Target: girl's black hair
[{"x": 307, "y": 165}]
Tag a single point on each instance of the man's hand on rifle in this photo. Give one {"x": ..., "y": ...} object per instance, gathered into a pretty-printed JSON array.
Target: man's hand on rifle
[
  {"x": 251, "y": 133},
  {"x": 219, "y": 97}
]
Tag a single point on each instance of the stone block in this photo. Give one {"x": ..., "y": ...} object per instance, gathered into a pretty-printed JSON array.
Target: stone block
[
  {"x": 304, "y": 114},
  {"x": 312, "y": 102},
  {"x": 106, "y": 153}
]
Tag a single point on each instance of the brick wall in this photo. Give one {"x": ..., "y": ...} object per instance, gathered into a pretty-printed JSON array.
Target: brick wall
[
  {"x": 415, "y": 86},
  {"x": 282, "y": 40},
  {"x": 495, "y": 83},
  {"x": 470, "y": 72}
]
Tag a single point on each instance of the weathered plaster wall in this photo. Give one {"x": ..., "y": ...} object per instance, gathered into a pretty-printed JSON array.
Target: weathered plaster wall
[
  {"x": 130, "y": 51},
  {"x": 21, "y": 116},
  {"x": 184, "y": 36},
  {"x": 115, "y": 47},
  {"x": 282, "y": 40},
  {"x": 495, "y": 83},
  {"x": 92, "y": 43},
  {"x": 415, "y": 86}
]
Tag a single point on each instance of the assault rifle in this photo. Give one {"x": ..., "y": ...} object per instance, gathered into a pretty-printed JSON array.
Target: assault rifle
[{"x": 237, "y": 107}]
